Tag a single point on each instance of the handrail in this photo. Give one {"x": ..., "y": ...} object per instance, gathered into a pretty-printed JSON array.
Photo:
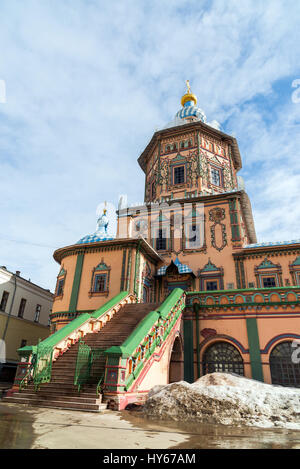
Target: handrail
[
  {"x": 99, "y": 385},
  {"x": 149, "y": 334},
  {"x": 62, "y": 339},
  {"x": 24, "y": 381},
  {"x": 72, "y": 330}
]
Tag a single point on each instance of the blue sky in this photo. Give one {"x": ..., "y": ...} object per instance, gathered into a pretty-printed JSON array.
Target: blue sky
[{"x": 88, "y": 82}]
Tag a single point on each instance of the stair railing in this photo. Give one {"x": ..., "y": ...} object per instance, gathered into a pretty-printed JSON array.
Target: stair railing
[
  {"x": 61, "y": 340},
  {"x": 150, "y": 334},
  {"x": 43, "y": 365},
  {"x": 86, "y": 365},
  {"x": 83, "y": 364}
]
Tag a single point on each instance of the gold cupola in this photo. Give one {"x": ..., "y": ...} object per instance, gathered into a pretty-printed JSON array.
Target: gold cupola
[{"x": 188, "y": 97}]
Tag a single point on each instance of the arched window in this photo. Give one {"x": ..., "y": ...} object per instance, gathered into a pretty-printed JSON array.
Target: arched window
[
  {"x": 283, "y": 370},
  {"x": 222, "y": 357}
]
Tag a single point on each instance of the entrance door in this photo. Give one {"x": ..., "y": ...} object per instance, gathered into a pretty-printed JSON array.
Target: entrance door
[{"x": 176, "y": 362}]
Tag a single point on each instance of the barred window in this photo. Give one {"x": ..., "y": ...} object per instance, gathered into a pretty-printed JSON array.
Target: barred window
[
  {"x": 161, "y": 241},
  {"x": 100, "y": 283},
  {"x": 179, "y": 175},
  {"x": 215, "y": 177}
]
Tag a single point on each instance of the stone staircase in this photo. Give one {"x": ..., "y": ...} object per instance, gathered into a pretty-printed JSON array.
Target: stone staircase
[{"x": 61, "y": 392}]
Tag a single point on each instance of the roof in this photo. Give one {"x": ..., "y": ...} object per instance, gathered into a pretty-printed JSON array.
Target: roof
[
  {"x": 60, "y": 253},
  {"x": 182, "y": 268}
]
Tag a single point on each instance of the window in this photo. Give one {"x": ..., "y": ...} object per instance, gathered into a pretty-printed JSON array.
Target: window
[
  {"x": 161, "y": 242},
  {"x": 100, "y": 283},
  {"x": 37, "y": 313},
  {"x": 269, "y": 282},
  {"x": 60, "y": 285},
  {"x": 179, "y": 175},
  {"x": 193, "y": 239},
  {"x": 211, "y": 285},
  {"x": 22, "y": 308},
  {"x": 3, "y": 304},
  {"x": 283, "y": 370},
  {"x": 215, "y": 177},
  {"x": 23, "y": 343},
  {"x": 222, "y": 357}
]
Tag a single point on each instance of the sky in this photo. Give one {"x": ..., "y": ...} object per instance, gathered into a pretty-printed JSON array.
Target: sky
[{"x": 87, "y": 83}]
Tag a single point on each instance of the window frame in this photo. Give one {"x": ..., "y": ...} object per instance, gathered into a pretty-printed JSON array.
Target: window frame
[
  {"x": 22, "y": 307},
  {"x": 102, "y": 269},
  {"x": 103, "y": 275},
  {"x": 60, "y": 286},
  {"x": 267, "y": 277},
  {"x": 212, "y": 281},
  {"x": 37, "y": 313},
  {"x": 5, "y": 300},
  {"x": 176, "y": 167},
  {"x": 220, "y": 172},
  {"x": 159, "y": 238}
]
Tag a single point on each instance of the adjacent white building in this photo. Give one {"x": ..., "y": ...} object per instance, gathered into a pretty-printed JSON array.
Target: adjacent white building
[{"x": 24, "y": 316}]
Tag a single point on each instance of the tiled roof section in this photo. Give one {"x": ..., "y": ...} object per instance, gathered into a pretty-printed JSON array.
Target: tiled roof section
[
  {"x": 182, "y": 268},
  {"x": 275, "y": 243},
  {"x": 94, "y": 238}
]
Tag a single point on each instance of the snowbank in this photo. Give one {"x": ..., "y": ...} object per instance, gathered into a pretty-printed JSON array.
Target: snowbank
[{"x": 227, "y": 399}]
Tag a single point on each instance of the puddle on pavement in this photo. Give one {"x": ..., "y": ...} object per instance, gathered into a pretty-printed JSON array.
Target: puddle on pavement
[
  {"x": 16, "y": 428},
  {"x": 215, "y": 436},
  {"x": 16, "y": 431}
]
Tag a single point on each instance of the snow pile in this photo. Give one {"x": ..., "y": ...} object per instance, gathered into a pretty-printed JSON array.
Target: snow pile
[{"x": 227, "y": 399}]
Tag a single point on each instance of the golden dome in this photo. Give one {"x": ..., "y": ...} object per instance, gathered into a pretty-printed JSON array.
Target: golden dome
[{"x": 189, "y": 96}]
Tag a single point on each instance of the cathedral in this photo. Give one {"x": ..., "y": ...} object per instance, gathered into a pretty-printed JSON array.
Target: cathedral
[{"x": 182, "y": 290}]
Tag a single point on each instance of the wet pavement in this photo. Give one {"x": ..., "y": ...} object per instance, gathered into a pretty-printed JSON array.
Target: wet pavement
[{"x": 32, "y": 427}]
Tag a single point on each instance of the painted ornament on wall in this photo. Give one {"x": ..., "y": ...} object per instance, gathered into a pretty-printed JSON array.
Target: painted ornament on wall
[{"x": 218, "y": 229}]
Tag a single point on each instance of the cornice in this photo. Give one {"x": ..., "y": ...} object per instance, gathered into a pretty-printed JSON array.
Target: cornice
[
  {"x": 114, "y": 245},
  {"x": 174, "y": 131}
]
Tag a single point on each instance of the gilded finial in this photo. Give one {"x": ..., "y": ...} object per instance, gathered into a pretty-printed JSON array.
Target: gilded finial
[
  {"x": 188, "y": 86},
  {"x": 104, "y": 210}
]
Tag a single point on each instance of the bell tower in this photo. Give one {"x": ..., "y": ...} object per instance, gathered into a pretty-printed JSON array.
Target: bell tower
[{"x": 189, "y": 157}]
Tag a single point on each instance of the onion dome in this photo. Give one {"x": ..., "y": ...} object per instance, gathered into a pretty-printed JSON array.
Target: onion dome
[
  {"x": 100, "y": 234},
  {"x": 189, "y": 110}
]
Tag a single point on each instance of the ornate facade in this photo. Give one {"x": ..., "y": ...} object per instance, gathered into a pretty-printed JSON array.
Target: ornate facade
[{"x": 196, "y": 232}]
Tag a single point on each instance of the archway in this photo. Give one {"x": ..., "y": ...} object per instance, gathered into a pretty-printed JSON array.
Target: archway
[
  {"x": 284, "y": 370},
  {"x": 176, "y": 362},
  {"x": 222, "y": 357}
]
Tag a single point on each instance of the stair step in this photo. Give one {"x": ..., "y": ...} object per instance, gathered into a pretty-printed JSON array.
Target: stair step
[
  {"x": 59, "y": 398},
  {"x": 68, "y": 404},
  {"x": 61, "y": 392}
]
